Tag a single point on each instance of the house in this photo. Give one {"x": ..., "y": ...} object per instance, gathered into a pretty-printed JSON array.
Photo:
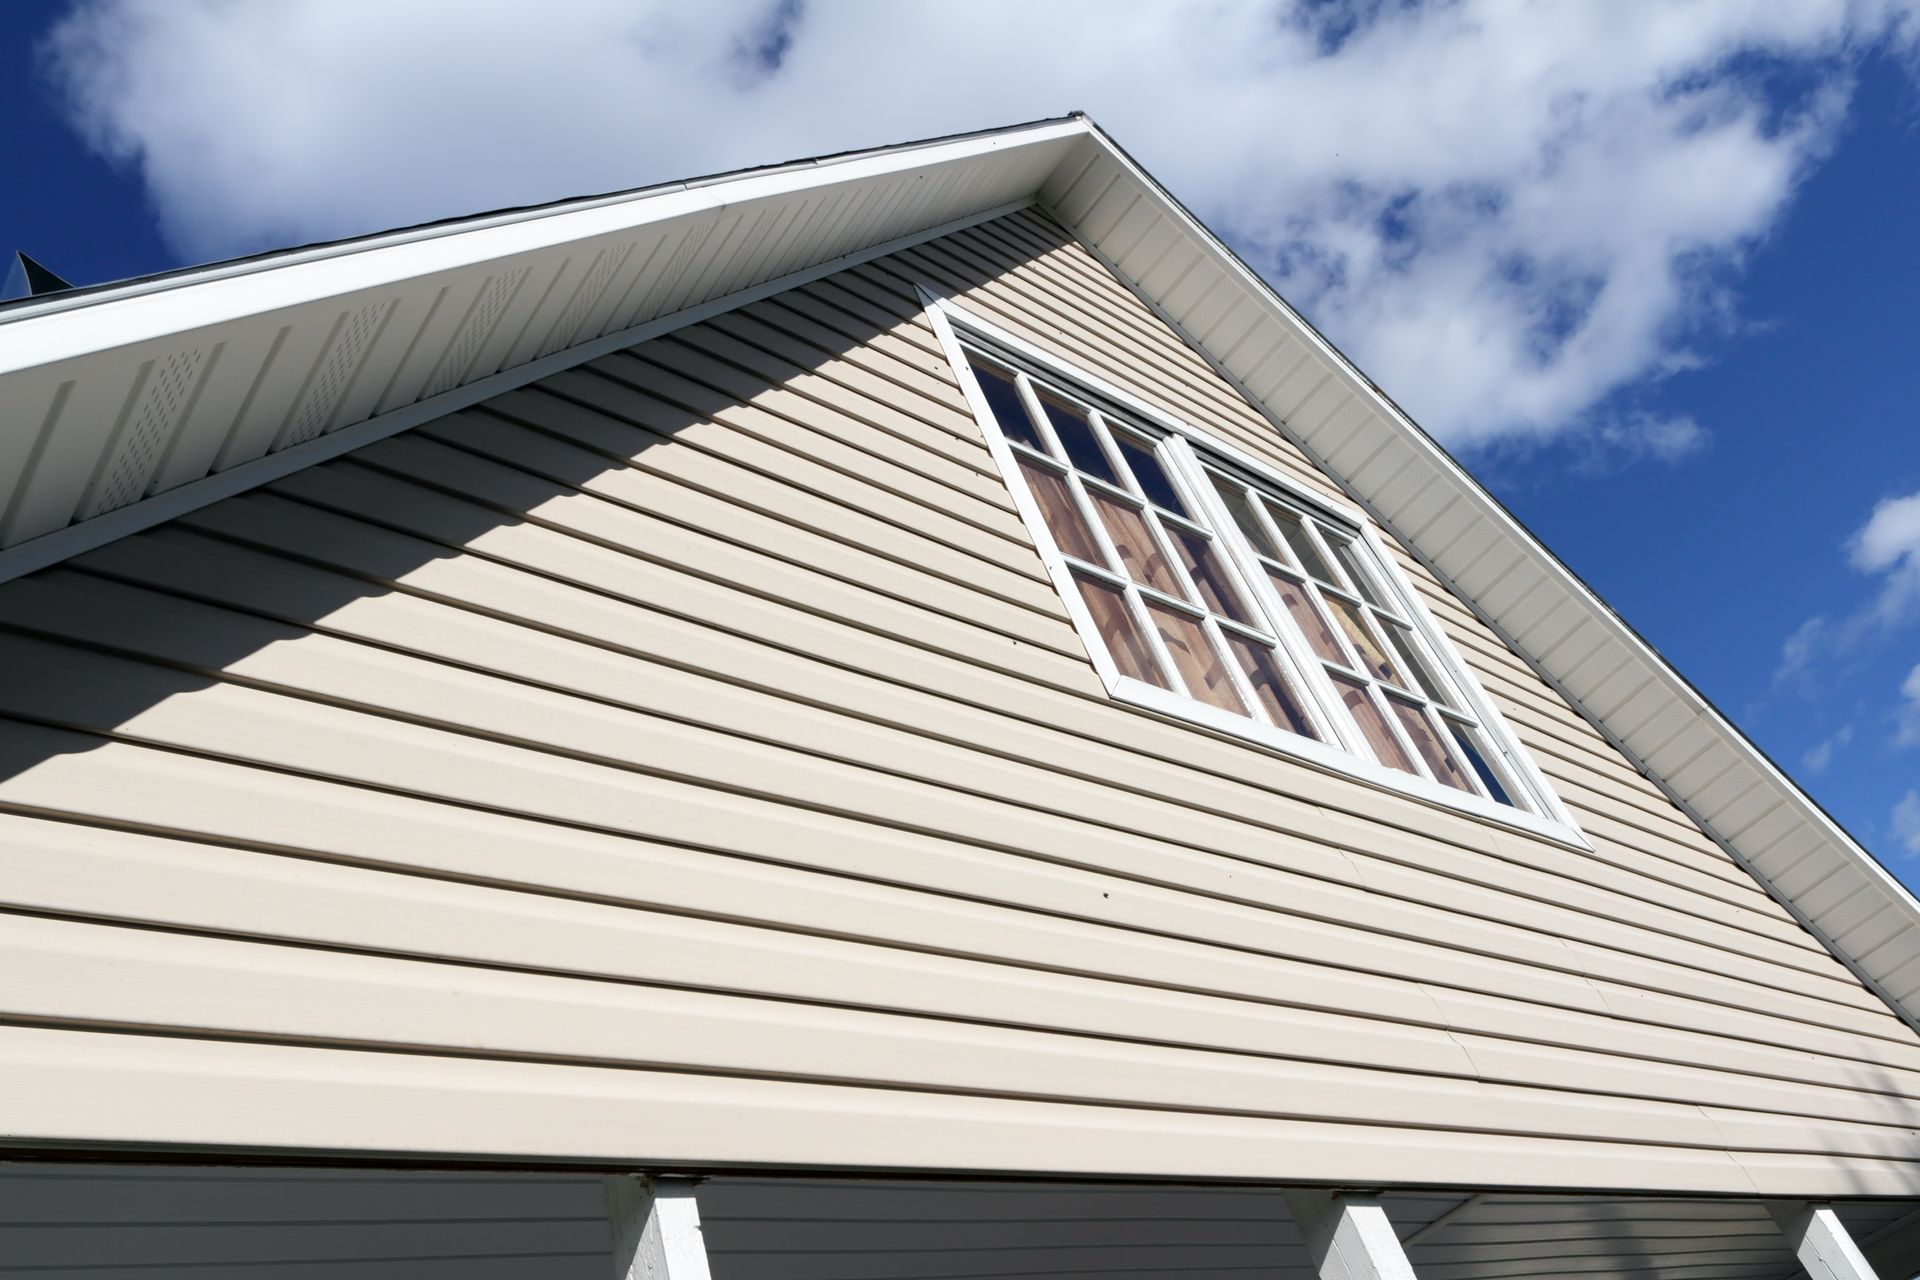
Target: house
[{"x": 902, "y": 705}]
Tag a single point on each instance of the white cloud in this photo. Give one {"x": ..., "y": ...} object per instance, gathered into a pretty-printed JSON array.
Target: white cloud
[
  {"x": 1906, "y": 823},
  {"x": 1907, "y": 718},
  {"x": 1887, "y": 545},
  {"x": 1821, "y": 755},
  {"x": 1509, "y": 213},
  {"x": 1797, "y": 656},
  {"x": 1890, "y": 544}
]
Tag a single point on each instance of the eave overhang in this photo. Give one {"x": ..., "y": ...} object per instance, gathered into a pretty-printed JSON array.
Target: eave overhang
[{"x": 125, "y": 405}]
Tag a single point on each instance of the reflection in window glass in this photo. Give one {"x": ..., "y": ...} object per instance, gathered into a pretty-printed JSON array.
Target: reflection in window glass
[
  {"x": 1077, "y": 438},
  {"x": 1209, "y": 574},
  {"x": 1304, "y": 552},
  {"x": 1269, "y": 684},
  {"x": 1354, "y": 623},
  {"x": 1171, "y": 586},
  {"x": 1419, "y": 729},
  {"x": 1350, "y": 561},
  {"x": 1118, "y": 632},
  {"x": 1004, "y": 399},
  {"x": 1135, "y": 542},
  {"x": 1294, "y": 597},
  {"x": 1472, "y": 748},
  {"x": 1063, "y": 519},
  {"x": 1373, "y": 725},
  {"x": 1198, "y": 662},
  {"x": 1403, "y": 647},
  {"x": 1153, "y": 478},
  {"x": 1237, "y": 505}
]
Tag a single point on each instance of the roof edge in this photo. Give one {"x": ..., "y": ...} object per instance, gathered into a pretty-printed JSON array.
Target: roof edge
[
  {"x": 108, "y": 290},
  {"x": 1830, "y": 927}
]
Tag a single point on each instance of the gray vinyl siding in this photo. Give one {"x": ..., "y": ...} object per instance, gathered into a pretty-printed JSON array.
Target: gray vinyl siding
[
  {"x": 106, "y": 1222},
  {"x": 175, "y": 1223},
  {"x": 686, "y": 760}
]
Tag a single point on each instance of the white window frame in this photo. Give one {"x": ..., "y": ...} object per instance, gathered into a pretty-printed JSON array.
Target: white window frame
[{"x": 1540, "y": 812}]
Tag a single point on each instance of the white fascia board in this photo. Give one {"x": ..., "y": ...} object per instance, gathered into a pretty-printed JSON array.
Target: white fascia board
[
  {"x": 1487, "y": 514},
  {"x": 66, "y": 328}
]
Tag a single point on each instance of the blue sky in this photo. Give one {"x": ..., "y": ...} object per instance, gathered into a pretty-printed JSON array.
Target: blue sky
[{"x": 1653, "y": 280}]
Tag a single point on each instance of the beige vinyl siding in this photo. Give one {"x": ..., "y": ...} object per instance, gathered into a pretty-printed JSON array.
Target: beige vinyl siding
[{"x": 686, "y": 759}]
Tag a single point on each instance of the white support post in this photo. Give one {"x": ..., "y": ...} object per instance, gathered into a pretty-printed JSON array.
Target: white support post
[
  {"x": 1348, "y": 1236},
  {"x": 1821, "y": 1240},
  {"x": 656, "y": 1229}
]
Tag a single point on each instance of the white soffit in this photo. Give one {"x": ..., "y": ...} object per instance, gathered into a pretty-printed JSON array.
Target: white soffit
[
  {"x": 125, "y": 405},
  {"x": 1554, "y": 620}
]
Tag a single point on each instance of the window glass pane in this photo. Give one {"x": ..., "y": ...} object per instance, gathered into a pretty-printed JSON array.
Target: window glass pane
[
  {"x": 1349, "y": 558},
  {"x": 1077, "y": 438},
  {"x": 1304, "y": 552},
  {"x": 1151, "y": 475},
  {"x": 1134, "y": 541},
  {"x": 1401, "y": 639},
  {"x": 1198, "y": 662},
  {"x": 1482, "y": 762},
  {"x": 1242, "y": 512},
  {"x": 1117, "y": 631},
  {"x": 1004, "y": 399},
  {"x": 1270, "y": 684},
  {"x": 1308, "y": 618},
  {"x": 1209, "y": 574},
  {"x": 1063, "y": 519},
  {"x": 1372, "y": 657},
  {"x": 1420, "y": 732},
  {"x": 1373, "y": 725}
]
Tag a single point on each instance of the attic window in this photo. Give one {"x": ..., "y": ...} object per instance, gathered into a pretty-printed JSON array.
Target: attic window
[{"x": 1209, "y": 588}]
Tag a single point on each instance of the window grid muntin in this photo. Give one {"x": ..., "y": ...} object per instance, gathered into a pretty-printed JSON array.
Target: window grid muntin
[
  {"x": 1360, "y": 579},
  {"x": 1451, "y": 719},
  {"x": 1131, "y": 493}
]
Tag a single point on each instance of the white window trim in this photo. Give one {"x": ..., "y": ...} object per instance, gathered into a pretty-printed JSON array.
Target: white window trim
[{"x": 1553, "y": 822}]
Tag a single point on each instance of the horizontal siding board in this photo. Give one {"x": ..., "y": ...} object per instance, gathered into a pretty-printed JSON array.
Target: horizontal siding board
[
  {"x": 622, "y": 423},
  {"x": 298, "y": 529},
  {"x": 769, "y": 381},
  {"x": 96, "y": 615},
  {"x": 682, "y": 485},
  {"x": 151, "y": 1090},
  {"x": 583, "y": 789},
  {"x": 58, "y": 868},
  {"x": 672, "y": 377},
  {"x": 707, "y": 702},
  {"x": 809, "y": 370},
  {"x": 384, "y": 474},
  {"x": 94, "y": 975},
  {"x": 1420, "y": 886},
  {"x": 211, "y": 570},
  {"x": 912, "y": 368},
  {"x": 819, "y": 940}
]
